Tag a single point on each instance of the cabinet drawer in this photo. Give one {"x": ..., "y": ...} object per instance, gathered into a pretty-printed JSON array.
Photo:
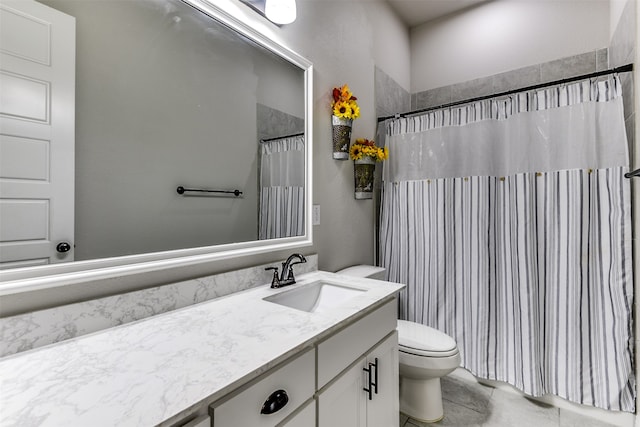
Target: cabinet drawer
[
  {"x": 296, "y": 378},
  {"x": 305, "y": 418},
  {"x": 204, "y": 421},
  {"x": 343, "y": 348}
]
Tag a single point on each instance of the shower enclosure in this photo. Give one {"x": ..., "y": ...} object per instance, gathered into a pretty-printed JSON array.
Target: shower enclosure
[{"x": 509, "y": 219}]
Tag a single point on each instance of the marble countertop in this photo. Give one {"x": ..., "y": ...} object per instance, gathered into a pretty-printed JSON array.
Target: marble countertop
[{"x": 156, "y": 369}]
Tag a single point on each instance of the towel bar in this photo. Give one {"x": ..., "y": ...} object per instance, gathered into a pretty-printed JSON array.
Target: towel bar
[{"x": 182, "y": 190}]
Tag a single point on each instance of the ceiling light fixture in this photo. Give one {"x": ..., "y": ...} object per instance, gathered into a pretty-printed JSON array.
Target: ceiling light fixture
[{"x": 280, "y": 11}]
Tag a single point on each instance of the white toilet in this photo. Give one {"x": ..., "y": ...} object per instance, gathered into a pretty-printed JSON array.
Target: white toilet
[{"x": 425, "y": 354}]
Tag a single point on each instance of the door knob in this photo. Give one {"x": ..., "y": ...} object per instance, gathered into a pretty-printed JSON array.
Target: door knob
[{"x": 63, "y": 247}]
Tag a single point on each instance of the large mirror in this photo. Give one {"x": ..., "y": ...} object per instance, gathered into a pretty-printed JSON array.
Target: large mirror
[{"x": 191, "y": 131}]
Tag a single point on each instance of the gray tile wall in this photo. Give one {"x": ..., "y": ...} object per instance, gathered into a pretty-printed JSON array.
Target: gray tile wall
[
  {"x": 571, "y": 66},
  {"x": 622, "y": 51},
  {"x": 273, "y": 123},
  {"x": 390, "y": 97}
]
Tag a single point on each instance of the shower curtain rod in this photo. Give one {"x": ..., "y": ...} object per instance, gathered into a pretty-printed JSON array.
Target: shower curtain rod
[
  {"x": 622, "y": 69},
  {"x": 632, "y": 174},
  {"x": 282, "y": 137}
]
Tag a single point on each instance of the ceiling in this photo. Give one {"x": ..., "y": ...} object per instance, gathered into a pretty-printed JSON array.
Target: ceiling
[
  {"x": 415, "y": 12},
  {"x": 412, "y": 12}
]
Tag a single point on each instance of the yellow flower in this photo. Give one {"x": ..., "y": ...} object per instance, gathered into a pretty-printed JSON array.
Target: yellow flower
[
  {"x": 345, "y": 93},
  {"x": 342, "y": 110},
  {"x": 344, "y": 104},
  {"x": 383, "y": 153},
  {"x": 355, "y": 152},
  {"x": 364, "y": 147},
  {"x": 346, "y": 110},
  {"x": 369, "y": 151},
  {"x": 355, "y": 110}
]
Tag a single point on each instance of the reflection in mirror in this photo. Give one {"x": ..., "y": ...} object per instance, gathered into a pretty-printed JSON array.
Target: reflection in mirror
[
  {"x": 165, "y": 96},
  {"x": 282, "y": 187}
]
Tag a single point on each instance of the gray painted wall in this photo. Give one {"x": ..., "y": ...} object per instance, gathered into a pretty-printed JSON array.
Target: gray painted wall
[{"x": 502, "y": 35}]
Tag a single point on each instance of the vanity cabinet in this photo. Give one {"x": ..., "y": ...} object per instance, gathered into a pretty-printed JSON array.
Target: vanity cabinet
[
  {"x": 331, "y": 379},
  {"x": 369, "y": 350},
  {"x": 218, "y": 362}
]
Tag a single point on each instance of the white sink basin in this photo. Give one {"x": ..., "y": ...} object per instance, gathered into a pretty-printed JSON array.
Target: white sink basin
[{"x": 315, "y": 297}]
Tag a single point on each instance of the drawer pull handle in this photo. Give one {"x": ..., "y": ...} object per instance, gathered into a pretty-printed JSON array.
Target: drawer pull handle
[
  {"x": 276, "y": 401},
  {"x": 375, "y": 381},
  {"x": 372, "y": 382},
  {"x": 368, "y": 389}
]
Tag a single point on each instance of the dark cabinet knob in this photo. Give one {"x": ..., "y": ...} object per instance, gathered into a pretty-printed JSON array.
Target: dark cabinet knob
[
  {"x": 276, "y": 401},
  {"x": 63, "y": 247}
]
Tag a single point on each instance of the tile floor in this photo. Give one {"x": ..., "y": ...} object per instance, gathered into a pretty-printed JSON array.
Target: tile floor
[{"x": 468, "y": 403}]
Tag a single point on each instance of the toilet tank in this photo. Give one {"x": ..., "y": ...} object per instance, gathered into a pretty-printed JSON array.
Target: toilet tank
[{"x": 368, "y": 271}]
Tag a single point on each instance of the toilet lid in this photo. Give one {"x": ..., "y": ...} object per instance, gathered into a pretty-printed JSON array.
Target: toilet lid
[{"x": 422, "y": 340}]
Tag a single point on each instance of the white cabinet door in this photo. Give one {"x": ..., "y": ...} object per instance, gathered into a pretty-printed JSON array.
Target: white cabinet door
[
  {"x": 383, "y": 408},
  {"x": 343, "y": 403},
  {"x": 346, "y": 402}
]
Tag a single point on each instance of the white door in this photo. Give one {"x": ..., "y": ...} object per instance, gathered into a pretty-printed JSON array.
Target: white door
[{"x": 37, "y": 121}]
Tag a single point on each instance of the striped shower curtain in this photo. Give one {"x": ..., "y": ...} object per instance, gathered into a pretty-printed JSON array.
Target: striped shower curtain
[
  {"x": 509, "y": 222},
  {"x": 281, "y": 212}
]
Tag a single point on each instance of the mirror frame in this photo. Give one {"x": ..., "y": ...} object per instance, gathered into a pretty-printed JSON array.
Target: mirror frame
[{"x": 246, "y": 22}]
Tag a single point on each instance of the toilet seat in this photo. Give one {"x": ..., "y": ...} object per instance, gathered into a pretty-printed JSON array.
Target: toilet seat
[{"x": 421, "y": 340}]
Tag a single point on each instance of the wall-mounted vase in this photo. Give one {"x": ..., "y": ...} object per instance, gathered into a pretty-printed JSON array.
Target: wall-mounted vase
[
  {"x": 341, "y": 137},
  {"x": 363, "y": 173}
]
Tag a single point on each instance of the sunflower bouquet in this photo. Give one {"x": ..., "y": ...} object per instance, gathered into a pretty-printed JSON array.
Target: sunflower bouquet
[
  {"x": 365, "y": 147},
  {"x": 344, "y": 104}
]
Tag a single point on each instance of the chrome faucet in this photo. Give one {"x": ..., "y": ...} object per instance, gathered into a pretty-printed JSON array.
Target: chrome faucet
[{"x": 286, "y": 276}]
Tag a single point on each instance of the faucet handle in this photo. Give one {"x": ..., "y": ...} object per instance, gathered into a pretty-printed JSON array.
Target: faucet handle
[{"x": 275, "y": 281}]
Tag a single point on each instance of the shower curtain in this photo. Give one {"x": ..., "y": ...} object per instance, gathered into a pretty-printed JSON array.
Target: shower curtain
[
  {"x": 281, "y": 188},
  {"x": 509, "y": 221}
]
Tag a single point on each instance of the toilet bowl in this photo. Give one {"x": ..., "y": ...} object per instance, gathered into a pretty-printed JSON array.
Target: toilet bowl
[{"x": 425, "y": 356}]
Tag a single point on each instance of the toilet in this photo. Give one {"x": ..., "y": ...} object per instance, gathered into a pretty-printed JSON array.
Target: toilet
[{"x": 425, "y": 355}]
